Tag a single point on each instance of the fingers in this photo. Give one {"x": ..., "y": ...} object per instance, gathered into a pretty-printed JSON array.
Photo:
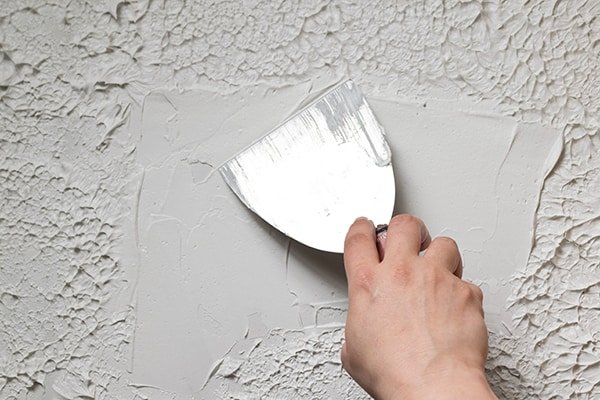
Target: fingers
[
  {"x": 444, "y": 252},
  {"x": 406, "y": 235},
  {"x": 360, "y": 249}
]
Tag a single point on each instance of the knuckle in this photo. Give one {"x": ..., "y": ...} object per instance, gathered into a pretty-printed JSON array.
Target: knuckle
[
  {"x": 471, "y": 293},
  {"x": 363, "y": 278},
  {"x": 477, "y": 292},
  {"x": 465, "y": 292},
  {"x": 402, "y": 274}
]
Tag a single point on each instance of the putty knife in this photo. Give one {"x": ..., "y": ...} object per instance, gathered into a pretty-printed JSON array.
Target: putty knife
[{"x": 312, "y": 176}]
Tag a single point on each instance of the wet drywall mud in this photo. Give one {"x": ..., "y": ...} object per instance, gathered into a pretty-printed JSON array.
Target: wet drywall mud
[{"x": 129, "y": 270}]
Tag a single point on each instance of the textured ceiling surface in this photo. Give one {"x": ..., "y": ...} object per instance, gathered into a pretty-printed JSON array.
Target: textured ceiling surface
[{"x": 75, "y": 77}]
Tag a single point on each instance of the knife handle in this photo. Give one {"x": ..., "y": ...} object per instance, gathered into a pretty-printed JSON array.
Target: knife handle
[{"x": 381, "y": 233}]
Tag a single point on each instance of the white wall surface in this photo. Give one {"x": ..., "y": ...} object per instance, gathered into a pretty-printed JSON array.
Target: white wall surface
[{"x": 129, "y": 270}]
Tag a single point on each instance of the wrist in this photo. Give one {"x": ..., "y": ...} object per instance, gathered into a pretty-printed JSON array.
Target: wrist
[{"x": 463, "y": 384}]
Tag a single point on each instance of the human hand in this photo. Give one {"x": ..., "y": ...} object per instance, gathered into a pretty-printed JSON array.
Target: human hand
[{"x": 414, "y": 330}]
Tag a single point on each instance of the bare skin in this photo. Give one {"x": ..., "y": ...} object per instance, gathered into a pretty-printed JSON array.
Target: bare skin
[{"x": 415, "y": 329}]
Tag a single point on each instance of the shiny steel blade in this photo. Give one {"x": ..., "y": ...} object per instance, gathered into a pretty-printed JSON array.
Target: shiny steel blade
[{"x": 316, "y": 173}]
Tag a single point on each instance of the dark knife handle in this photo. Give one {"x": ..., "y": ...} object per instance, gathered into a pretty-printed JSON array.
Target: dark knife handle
[{"x": 381, "y": 233}]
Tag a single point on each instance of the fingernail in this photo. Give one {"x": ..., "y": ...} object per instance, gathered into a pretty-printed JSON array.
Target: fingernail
[{"x": 361, "y": 219}]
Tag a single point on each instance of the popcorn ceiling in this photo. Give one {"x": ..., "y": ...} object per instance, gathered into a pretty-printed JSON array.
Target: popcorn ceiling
[{"x": 73, "y": 78}]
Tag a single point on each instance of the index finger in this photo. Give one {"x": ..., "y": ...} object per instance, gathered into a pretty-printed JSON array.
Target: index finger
[{"x": 360, "y": 249}]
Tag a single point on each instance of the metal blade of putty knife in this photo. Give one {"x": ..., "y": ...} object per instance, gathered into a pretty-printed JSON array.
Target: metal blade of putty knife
[{"x": 312, "y": 176}]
